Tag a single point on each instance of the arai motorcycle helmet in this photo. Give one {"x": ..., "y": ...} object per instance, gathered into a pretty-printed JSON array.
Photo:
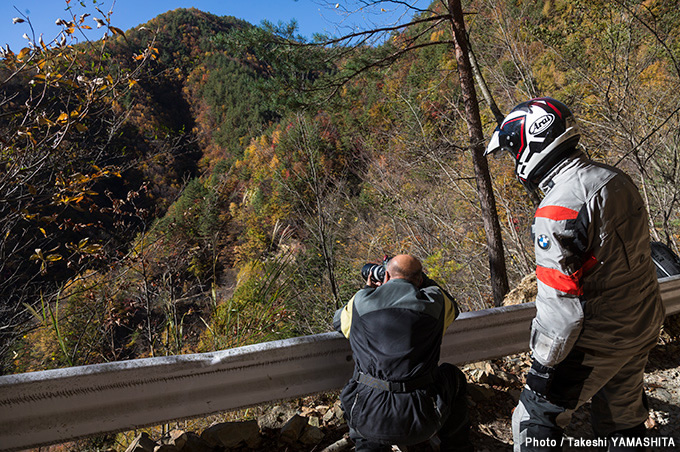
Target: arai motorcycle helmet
[{"x": 538, "y": 133}]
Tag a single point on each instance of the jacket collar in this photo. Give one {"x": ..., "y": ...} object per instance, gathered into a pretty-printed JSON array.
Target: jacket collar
[{"x": 548, "y": 182}]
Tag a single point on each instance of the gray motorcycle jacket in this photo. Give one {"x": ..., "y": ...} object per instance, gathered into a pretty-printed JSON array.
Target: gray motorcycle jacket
[{"x": 597, "y": 284}]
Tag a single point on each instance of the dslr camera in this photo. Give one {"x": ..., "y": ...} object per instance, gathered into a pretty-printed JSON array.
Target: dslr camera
[{"x": 375, "y": 271}]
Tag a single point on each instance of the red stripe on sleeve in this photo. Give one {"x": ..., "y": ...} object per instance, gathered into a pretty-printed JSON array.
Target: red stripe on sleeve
[
  {"x": 570, "y": 284},
  {"x": 556, "y": 213}
]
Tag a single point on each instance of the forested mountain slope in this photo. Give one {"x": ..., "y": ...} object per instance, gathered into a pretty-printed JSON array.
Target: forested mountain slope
[{"x": 236, "y": 209}]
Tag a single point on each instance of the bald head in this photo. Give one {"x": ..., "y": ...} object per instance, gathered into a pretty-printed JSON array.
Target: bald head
[{"x": 404, "y": 266}]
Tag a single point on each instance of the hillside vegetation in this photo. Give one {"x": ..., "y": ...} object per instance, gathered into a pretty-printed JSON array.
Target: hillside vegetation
[{"x": 199, "y": 183}]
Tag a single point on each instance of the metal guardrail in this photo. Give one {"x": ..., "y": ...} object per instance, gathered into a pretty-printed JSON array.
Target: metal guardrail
[{"x": 46, "y": 407}]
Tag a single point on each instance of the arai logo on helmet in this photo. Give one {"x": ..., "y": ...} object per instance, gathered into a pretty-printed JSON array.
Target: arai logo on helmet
[{"x": 541, "y": 124}]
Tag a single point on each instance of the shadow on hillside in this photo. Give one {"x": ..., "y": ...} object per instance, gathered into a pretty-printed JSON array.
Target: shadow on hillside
[
  {"x": 490, "y": 443},
  {"x": 664, "y": 356},
  {"x": 665, "y": 409},
  {"x": 490, "y": 414},
  {"x": 491, "y": 408}
]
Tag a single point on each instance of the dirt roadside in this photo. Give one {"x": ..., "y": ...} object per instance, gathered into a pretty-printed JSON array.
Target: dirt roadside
[{"x": 493, "y": 403}]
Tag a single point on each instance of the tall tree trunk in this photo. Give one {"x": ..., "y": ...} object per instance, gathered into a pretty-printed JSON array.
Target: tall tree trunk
[{"x": 499, "y": 276}]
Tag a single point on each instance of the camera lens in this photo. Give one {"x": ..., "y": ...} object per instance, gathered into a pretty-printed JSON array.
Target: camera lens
[
  {"x": 366, "y": 271},
  {"x": 375, "y": 271}
]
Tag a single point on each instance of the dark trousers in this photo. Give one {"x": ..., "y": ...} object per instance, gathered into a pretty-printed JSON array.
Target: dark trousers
[
  {"x": 454, "y": 433},
  {"x": 613, "y": 384}
]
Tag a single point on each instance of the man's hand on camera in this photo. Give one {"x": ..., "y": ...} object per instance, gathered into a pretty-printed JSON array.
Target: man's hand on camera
[{"x": 370, "y": 282}]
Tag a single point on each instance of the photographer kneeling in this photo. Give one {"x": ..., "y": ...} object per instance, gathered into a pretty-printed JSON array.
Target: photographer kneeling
[{"x": 399, "y": 394}]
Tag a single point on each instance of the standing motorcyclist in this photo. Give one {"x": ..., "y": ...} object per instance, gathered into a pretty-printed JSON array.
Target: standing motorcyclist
[{"x": 598, "y": 309}]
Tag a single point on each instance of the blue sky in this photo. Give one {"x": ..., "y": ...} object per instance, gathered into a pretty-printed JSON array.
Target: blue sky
[{"x": 313, "y": 16}]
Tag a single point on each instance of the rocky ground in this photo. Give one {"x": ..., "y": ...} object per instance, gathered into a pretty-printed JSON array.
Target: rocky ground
[
  {"x": 315, "y": 424},
  {"x": 493, "y": 403}
]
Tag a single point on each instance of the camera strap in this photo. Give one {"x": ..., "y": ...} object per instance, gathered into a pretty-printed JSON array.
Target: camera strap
[{"x": 395, "y": 386}]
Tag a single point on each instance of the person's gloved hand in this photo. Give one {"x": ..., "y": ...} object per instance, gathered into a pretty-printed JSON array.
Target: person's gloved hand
[{"x": 539, "y": 378}]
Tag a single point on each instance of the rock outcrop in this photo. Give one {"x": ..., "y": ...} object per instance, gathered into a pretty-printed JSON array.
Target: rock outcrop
[{"x": 279, "y": 427}]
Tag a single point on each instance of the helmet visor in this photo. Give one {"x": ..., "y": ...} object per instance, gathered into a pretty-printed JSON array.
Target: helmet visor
[
  {"x": 495, "y": 144},
  {"x": 506, "y": 137}
]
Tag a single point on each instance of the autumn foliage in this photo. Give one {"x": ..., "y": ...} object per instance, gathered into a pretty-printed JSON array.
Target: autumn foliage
[{"x": 169, "y": 191}]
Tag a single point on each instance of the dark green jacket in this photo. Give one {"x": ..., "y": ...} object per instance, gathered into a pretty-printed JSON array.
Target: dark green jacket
[{"x": 395, "y": 332}]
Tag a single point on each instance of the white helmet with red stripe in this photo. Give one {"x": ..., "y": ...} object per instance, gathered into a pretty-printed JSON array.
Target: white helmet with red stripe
[{"x": 538, "y": 133}]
